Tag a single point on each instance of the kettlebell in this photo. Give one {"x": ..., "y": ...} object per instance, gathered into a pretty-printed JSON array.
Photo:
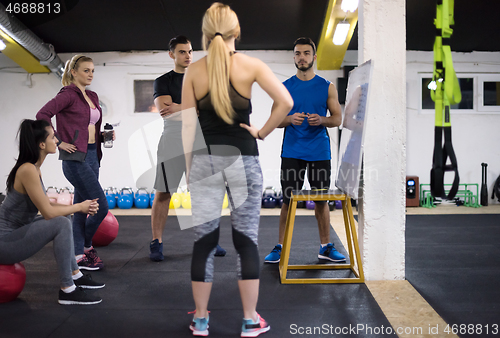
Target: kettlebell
[
  {"x": 72, "y": 193},
  {"x": 116, "y": 192},
  {"x": 126, "y": 201},
  {"x": 52, "y": 194},
  {"x": 279, "y": 199},
  {"x": 110, "y": 197},
  {"x": 268, "y": 198},
  {"x": 64, "y": 196},
  {"x": 310, "y": 205},
  {"x": 338, "y": 204},
  {"x": 141, "y": 199},
  {"x": 175, "y": 201},
  {"x": 186, "y": 200}
]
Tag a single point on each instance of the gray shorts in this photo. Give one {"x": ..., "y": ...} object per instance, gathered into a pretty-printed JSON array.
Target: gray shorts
[{"x": 170, "y": 164}]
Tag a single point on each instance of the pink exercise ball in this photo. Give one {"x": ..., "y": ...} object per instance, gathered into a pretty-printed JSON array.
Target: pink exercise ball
[
  {"x": 12, "y": 279},
  {"x": 107, "y": 231}
]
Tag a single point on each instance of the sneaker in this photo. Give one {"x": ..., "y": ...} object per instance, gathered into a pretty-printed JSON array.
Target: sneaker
[
  {"x": 156, "y": 251},
  {"x": 220, "y": 251},
  {"x": 78, "y": 296},
  {"x": 85, "y": 263},
  {"x": 330, "y": 253},
  {"x": 253, "y": 329},
  {"x": 92, "y": 256},
  {"x": 86, "y": 282},
  {"x": 199, "y": 326},
  {"x": 275, "y": 255}
]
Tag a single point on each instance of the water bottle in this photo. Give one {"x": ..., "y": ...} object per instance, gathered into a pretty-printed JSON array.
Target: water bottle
[{"x": 108, "y": 136}]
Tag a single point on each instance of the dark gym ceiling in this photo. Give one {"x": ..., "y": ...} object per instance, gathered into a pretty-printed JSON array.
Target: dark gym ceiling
[{"x": 125, "y": 25}]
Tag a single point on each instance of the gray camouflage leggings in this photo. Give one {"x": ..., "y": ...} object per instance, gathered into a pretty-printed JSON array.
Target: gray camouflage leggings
[{"x": 210, "y": 178}]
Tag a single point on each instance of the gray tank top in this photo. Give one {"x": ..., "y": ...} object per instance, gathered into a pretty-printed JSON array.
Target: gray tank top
[{"x": 16, "y": 211}]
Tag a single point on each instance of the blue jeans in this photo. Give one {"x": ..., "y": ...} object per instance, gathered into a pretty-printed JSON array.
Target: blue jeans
[{"x": 84, "y": 176}]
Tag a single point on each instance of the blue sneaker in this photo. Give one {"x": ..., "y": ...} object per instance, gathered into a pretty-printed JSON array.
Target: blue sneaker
[
  {"x": 330, "y": 253},
  {"x": 199, "y": 326},
  {"x": 156, "y": 251},
  {"x": 275, "y": 255},
  {"x": 220, "y": 251},
  {"x": 253, "y": 329}
]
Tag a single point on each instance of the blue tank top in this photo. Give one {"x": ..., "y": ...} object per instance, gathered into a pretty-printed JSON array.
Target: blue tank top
[{"x": 305, "y": 142}]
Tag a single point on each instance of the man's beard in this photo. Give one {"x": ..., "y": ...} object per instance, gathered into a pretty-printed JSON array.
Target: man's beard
[{"x": 304, "y": 68}]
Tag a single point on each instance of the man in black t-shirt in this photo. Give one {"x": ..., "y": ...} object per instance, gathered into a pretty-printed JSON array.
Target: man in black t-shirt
[
  {"x": 167, "y": 99},
  {"x": 170, "y": 156}
]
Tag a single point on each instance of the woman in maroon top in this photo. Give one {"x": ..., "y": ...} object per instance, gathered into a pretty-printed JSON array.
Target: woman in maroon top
[{"x": 79, "y": 116}]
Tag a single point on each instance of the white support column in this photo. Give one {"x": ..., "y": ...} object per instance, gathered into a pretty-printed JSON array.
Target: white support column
[{"x": 382, "y": 38}]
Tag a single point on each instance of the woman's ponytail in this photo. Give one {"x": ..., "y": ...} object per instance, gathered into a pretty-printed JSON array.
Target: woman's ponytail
[
  {"x": 219, "y": 23},
  {"x": 31, "y": 133}
]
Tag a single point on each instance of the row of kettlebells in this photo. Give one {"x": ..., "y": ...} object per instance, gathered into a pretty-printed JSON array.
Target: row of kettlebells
[
  {"x": 126, "y": 198},
  {"x": 272, "y": 198},
  {"x": 60, "y": 196},
  {"x": 142, "y": 199}
]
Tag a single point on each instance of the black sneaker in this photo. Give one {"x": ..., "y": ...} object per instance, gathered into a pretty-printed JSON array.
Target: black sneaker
[
  {"x": 78, "y": 296},
  {"x": 86, "y": 282},
  {"x": 156, "y": 251}
]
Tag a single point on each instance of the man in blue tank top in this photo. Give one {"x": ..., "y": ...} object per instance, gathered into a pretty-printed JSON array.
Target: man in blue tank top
[{"x": 306, "y": 144}]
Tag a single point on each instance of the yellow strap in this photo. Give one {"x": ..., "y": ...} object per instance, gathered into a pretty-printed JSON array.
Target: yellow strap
[
  {"x": 448, "y": 90},
  {"x": 452, "y": 86}
]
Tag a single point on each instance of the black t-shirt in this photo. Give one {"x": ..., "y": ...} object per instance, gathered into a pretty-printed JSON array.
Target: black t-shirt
[{"x": 169, "y": 84}]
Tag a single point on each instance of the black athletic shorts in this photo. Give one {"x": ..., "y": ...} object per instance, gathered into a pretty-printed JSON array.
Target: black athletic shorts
[{"x": 293, "y": 174}]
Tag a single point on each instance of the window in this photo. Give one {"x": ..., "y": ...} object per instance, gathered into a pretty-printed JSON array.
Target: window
[
  {"x": 466, "y": 87},
  {"x": 489, "y": 93},
  {"x": 480, "y": 94},
  {"x": 143, "y": 94}
]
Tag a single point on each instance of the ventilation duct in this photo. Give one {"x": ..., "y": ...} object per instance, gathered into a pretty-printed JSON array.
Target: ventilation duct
[{"x": 32, "y": 43}]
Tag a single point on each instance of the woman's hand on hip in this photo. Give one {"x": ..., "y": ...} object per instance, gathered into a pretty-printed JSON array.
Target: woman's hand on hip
[
  {"x": 70, "y": 148},
  {"x": 253, "y": 130}
]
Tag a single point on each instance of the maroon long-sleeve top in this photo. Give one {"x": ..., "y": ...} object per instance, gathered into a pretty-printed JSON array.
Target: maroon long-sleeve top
[{"x": 72, "y": 114}]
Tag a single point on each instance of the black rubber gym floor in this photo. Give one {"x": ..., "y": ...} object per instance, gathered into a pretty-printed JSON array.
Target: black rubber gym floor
[
  {"x": 147, "y": 299},
  {"x": 453, "y": 261}
]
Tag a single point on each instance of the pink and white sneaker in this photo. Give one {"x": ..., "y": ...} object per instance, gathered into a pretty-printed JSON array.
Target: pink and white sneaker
[
  {"x": 92, "y": 256},
  {"x": 253, "y": 329}
]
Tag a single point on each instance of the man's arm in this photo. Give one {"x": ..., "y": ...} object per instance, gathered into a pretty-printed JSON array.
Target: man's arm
[
  {"x": 167, "y": 107},
  {"x": 335, "y": 118}
]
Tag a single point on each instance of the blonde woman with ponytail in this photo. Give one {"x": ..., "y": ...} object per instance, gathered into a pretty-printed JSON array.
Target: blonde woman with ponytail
[
  {"x": 218, "y": 89},
  {"x": 79, "y": 117}
]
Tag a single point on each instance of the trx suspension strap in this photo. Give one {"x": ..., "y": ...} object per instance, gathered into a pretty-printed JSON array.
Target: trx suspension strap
[{"x": 445, "y": 92}]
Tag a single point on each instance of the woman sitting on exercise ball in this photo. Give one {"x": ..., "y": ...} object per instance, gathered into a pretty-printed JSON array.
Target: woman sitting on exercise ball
[{"x": 23, "y": 233}]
